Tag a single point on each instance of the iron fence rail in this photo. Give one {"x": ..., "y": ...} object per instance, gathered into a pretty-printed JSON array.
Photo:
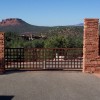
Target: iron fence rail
[{"x": 43, "y": 58}]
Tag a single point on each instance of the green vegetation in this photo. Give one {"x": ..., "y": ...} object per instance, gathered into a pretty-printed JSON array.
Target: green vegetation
[{"x": 54, "y": 40}]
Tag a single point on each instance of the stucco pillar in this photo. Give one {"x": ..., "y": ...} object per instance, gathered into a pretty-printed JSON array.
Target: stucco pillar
[
  {"x": 90, "y": 44},
  {"x": 2, "y": 67}
]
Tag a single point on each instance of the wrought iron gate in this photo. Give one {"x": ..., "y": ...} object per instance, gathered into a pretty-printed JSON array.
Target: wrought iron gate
[{"x": 43, "y": 58}]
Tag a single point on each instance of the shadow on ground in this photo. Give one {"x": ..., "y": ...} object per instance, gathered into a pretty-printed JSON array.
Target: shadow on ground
[
  {"x": 6, "y": 97},
  {"x": 47, "y": 70}
]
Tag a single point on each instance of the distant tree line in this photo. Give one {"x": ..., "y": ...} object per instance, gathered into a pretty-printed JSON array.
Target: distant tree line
[{"x": 12, "y": 40}]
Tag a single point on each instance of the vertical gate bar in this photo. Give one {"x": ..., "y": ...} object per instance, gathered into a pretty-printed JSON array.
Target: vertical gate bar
[
  {"x": 29, "y": 62},
  {"x": 80, "y": 63},
  {"x": 68, "y": 58},
  {"x": 25, "y": 64},
  {"x": 5, "y": 54},
  {"x": 39, "y": 58},
  {"x": 44, "y": 57},
  {"x": 67, "y": 63},
  {"x": 77, "y": 63},
  {"x": 10, "y": 57},
  {"x": 76, "y": 55},
  {"x": 23, "y": 53},
  {"x": 17, "y": 58},
  {"x": 78, "y": 59},
  {"x": 30, "y": 58},
  {"x": 20, "y": 56},
  {"x": 73, "y": 58},
  {"x": 64, "y": 59},
  {"x": 34, "y": 55},
  {"x": 7, "y": 57},
  {"x": 60, "y": 59},
  {"x": 29, "y": 67},
  {"x": 36, "y": 58},
  {"x": 55, "y": 58},
  {"x": 15, "y": 50}
]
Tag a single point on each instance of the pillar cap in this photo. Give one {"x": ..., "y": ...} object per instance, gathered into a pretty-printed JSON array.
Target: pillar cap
[{"x": 91, "y": 19}]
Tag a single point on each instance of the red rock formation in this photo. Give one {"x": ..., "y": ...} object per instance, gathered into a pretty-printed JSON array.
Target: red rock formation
[{"x": 10, "y": 21}]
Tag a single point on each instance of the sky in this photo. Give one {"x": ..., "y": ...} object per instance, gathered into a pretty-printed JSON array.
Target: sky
[{"x": 50, "y": 12}]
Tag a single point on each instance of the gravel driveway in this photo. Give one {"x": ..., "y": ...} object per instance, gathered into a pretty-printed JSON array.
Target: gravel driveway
[{"x": 49, "y": 85}]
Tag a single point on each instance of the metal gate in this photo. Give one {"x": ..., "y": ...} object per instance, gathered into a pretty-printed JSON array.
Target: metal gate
[{"x": 43, "y": 58}]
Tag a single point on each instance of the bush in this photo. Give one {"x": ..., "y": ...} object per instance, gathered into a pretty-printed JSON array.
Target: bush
[{"x": 56, "y": 42}]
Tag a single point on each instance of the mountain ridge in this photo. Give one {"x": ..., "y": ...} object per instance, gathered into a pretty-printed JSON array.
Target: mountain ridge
[
  {"x": 20, "y": 26},
  {"x": 11, "y": 21}
]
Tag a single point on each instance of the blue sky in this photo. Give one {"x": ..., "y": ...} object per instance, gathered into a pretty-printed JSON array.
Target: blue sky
[{"x": 50, "y": 12}]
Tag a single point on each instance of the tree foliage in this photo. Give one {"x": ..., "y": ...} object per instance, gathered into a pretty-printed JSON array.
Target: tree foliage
[{"x": 12, "y": 40}]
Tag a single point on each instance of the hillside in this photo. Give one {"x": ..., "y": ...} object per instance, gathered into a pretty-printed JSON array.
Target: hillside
[
  {"x": 20, "y": 26},
  {"x": 67, "y": 30}
]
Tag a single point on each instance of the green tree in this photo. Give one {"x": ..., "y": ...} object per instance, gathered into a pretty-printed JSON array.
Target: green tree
[{"x": 56, "y": 42}]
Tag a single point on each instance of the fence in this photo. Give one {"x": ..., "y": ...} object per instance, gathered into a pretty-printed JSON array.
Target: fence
[{"x": 43, "y": 58}]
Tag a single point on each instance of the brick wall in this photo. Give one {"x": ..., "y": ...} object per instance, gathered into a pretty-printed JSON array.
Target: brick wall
[
  {"x": 2, "y": 52},
  {"x": 91, "y": 45}
]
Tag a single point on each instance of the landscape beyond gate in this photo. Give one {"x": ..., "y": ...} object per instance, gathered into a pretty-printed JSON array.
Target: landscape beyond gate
[{"x": 43, "y": 58}]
